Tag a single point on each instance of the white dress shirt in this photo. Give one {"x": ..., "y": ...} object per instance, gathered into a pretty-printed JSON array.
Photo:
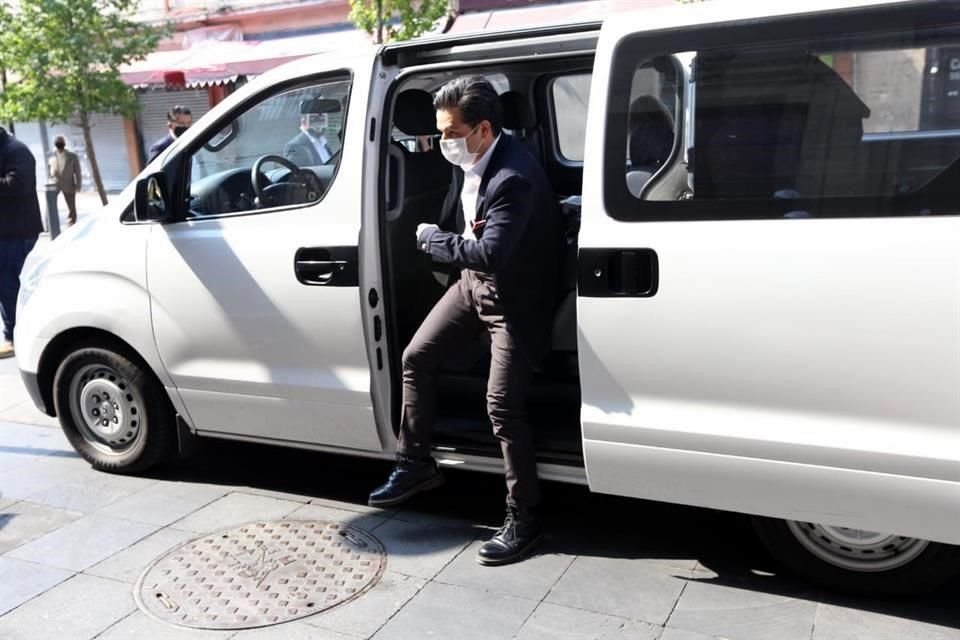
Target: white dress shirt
[{"x": 471, "y": 189}]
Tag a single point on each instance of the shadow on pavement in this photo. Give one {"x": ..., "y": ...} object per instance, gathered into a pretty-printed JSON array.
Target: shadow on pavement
[{"x": 578, "y": 522}]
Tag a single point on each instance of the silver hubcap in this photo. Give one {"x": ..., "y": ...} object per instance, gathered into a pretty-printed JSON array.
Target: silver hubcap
[
  {"x": 106, "y": 408},
  {"x": 857, "y": 549}
]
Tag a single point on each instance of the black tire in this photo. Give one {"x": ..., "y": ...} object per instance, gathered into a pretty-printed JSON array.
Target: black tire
[
  {"x": 925, "y": 565},
  {"x": 90, "y": 382}
]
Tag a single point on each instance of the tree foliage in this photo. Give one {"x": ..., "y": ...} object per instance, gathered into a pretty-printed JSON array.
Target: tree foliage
[
  {"x": 62, "y": 59},
  {"x": 402, "y": 19}
]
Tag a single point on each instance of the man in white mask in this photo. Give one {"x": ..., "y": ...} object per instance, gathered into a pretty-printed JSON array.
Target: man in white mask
[{"x": 500, "y": 227}]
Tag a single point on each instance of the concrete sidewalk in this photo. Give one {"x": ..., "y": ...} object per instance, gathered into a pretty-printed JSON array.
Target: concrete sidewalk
[{"x": 73, "y": 542}]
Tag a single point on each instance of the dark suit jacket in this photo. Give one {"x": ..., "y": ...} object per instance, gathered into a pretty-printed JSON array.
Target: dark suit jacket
[
  {"x": 157, "y": 147},
  {"x": 19, "y": 206},
  {"x": 518, "y": 243}
]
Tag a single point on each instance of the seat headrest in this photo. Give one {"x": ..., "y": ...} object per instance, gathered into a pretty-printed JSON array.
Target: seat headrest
[
  {"x": 414, "y": 113},
  {"x": 517, "y": 113},
  {"x": 651, "y": 133}
]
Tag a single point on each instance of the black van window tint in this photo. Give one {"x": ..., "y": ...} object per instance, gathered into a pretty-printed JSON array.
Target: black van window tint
[{"x": 815, "y": 129}]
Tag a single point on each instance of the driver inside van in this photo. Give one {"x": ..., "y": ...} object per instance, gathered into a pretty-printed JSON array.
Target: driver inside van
[
  {"x": 310, "y": 147},
  {"x": 500, "y": 227}
]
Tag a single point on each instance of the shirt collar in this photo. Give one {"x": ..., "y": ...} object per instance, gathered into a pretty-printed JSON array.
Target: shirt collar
[{"x": 481, "y": 165}]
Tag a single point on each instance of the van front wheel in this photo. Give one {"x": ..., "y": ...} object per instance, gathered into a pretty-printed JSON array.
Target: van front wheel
[
  {"x": 858, "y": 561},
  {"x": 113, "y": 411}
]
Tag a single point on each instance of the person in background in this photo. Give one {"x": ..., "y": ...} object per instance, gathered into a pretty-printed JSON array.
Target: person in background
[
  {"x": 20, "y": 225},
  {"x": 65, "y": 172},
  {"x": 310, "y": 147},
  {"x": 179, "y": 120}
]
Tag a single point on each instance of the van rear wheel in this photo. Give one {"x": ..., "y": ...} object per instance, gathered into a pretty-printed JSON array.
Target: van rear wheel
[
  {"x": 113, "y": 411},
  {"x": 858, "y": 561}
]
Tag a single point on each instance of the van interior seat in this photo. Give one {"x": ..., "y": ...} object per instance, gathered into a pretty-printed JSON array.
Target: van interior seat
[
  {"x": 417, "y": 183},
  {"x": 519, "y": 117},
  {"x": 651, "y": 140}
]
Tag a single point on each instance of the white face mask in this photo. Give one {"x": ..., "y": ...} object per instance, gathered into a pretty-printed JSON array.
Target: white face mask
[{"x": 456, "y": 151}]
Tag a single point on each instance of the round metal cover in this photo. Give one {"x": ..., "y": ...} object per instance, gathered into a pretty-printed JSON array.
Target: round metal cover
[{"x": 260, "y": 574}]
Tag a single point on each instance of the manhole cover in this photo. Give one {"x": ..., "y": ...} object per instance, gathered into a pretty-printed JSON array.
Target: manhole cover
[{"x": 260, "y": 574}]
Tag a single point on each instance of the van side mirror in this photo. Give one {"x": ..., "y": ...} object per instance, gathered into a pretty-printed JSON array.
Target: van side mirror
[{"x": 151, "y": 201}]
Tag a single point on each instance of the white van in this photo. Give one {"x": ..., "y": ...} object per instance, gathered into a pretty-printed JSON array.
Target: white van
[{"x": 762, "y": 314}]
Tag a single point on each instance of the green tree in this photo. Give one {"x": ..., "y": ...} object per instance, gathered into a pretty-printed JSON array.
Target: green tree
[
  {"x": 62, "y": 60},
  {"x": 413, "y": 17}
]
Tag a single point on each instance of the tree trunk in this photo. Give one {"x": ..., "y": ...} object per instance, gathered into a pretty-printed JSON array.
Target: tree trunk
[{"x": 92, "y": 156}]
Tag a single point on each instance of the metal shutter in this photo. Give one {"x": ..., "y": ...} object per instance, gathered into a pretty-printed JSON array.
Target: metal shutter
[
  {"x": 29, "y": 134},
  {"x": 155, "y": 103}
]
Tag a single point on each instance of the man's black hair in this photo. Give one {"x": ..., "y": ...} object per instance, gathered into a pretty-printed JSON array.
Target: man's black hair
[
  {"x": 178, "y": 110},
  {"x": 476, "y": 99}
]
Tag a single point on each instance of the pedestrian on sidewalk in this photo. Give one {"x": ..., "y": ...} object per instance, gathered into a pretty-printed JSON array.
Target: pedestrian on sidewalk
[
  {"x": 20, "y": 225},
  {"x": 179, "y": 120},
  {"x": 65, "y": 172}
]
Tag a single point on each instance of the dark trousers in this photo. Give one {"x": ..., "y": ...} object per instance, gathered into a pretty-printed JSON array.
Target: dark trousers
[
  {"x": 468, "y": 308},
  {"x": 13, "y": 253},
  {"x": 71, "y": 199}
]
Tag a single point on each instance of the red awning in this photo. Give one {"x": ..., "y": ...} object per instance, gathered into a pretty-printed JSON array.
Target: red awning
[{"x": 216, "y": 62}]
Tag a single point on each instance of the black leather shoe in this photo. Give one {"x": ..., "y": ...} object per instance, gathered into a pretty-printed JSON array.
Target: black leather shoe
[
  {"x": 520, "y": 534},
  {"x": 409, "y": 477}
]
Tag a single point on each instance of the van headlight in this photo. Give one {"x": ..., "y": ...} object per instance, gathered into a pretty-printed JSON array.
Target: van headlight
[{"x": 29, "y": 281}]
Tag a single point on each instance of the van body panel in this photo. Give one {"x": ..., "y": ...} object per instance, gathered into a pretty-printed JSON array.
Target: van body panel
[
  {"x": 252, "y": 349},
  {"x": 805, "y": 369}
]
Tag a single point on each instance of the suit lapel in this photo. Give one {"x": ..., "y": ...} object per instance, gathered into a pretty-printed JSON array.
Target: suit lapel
[{"x": 493, "y": 166}]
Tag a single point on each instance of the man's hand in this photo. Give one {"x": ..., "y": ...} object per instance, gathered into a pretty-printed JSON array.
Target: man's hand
[{"x": 424, "y": 230}]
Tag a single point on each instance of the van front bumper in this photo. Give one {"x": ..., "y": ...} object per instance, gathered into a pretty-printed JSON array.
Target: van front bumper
[{"x": 32, "y": 383}]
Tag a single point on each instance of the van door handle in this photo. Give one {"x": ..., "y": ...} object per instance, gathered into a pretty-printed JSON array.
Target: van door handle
[
  {"x": 618, "y": 273},
  {"x": 327, "y": 266}
]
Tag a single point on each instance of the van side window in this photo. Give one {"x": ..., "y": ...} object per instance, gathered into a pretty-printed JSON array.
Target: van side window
[
  {"x": 282, "y": 151},
  {"x": 862, "y": 128},
  {"x": 570, "y": 96}
]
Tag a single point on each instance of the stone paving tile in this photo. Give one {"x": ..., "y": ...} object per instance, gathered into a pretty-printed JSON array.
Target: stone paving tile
[
  {"x": 140, "y": 625},
  {"x": 353, "y": 506},
  {"x": 531, "y": 579},
  {"x": 42, "y": 438},
  {"x": 270, "y": 493},
  {"x": 127, "y": 565},
  {"x": 553, "y": 622},
  {"x": 363, "y": 616},
  {"x": 720, "y": 610},
  {"x": 295, "y": 630},
  {"x": 40, "y": 474},
  {"x": 434, "y": 520},
  {"x": 77, "y": 609},
  {"x": 625, "y": 588},
  {"x": 25, "y": 412},
  {"x": 366, "y": 521},
  {"x": 844, "y": 623},
  {"x": 669, "y": 633},
  {"x": 235, "y": 509},
  {"x": 22, "y": 522},
  {"x": 92, "y": 492},
  {"x": 164, "y": 503},
  {"x": 447, "y": 612},
  {"x": 83, "y": 543},
  {"x": 20, "y": 581},
  {"x": 4, "y": 503},
  {"x": 418, "y": 550}
]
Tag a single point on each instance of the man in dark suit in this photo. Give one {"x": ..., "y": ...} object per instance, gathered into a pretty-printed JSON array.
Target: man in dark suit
[
  {"x": 500, "y": 227},
  {"x": 179, "y": 120},
  {"x": 19, "y": 226},
  {"x": 310, "y": 147}
]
